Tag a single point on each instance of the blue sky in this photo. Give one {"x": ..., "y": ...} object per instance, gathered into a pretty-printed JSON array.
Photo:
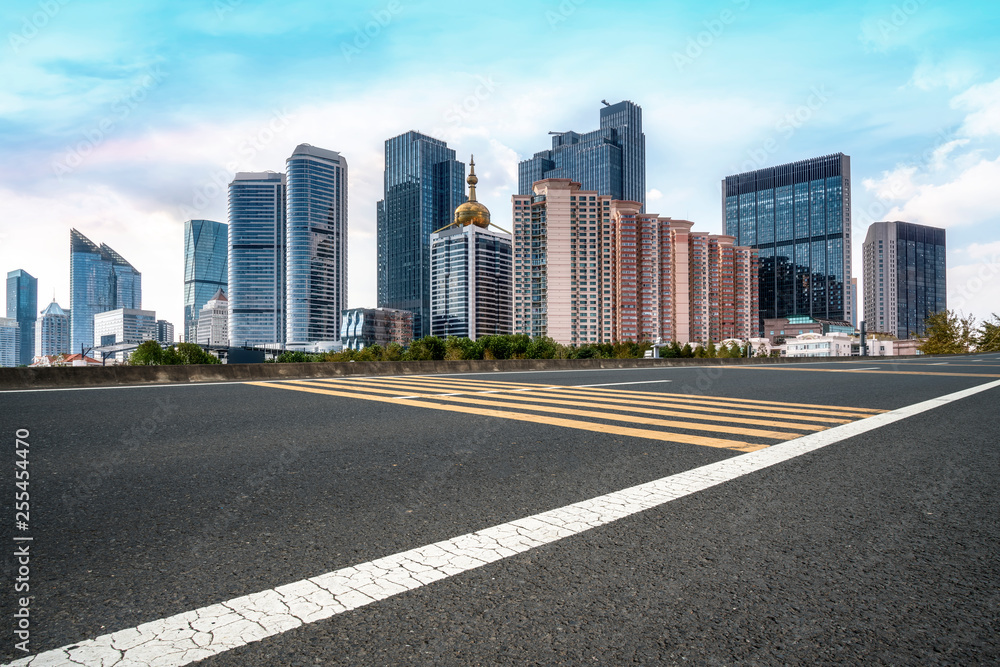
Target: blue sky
[{"x": 125, "y": 119}]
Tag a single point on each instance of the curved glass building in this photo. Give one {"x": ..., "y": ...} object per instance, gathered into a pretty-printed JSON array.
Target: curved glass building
[
  {"x": 257, "y": 259},
  {"x": 206, "y": 268},
  {"x": 100, "y": 280},
  {"x": 316, "y": 236}
]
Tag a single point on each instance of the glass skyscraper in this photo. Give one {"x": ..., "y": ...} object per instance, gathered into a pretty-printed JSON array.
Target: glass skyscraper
[
  {"x": 100, "y": 280},
  {"x": 798, "y": 216},
  {"x": 257, "y": 259},
  {"x": 905, "y": 271},
  {"x": 206, "y": 268},
  {"x": 423, "y": 187},
  {"x": 316, "y": 237},
  {"x": 22, "y": 305},
  {"x": 610, "y": 161}
]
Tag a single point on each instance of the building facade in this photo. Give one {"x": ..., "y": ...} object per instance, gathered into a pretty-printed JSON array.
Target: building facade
[
  {"x": 798, "y": 217},
  {"x": 10, "y": 342},
  {"x": 206, "y": 268},
  {"x": 821, "y": 345},
  {"x": 422, "y": 189},
  {"x": 213, "y": 321},
  {"x": 905, "y": 277},
  {"x": 22, "y": 305},
  {"x": 165, "y": 332},
  {"x": 100, "y": 280},
  {"x": 124, "y": 326},
  {"x": 591, "y": 269},
  {"x": 52, "y": 332},
  {"x": 363, "y": 327},
  {"x": 471, "y": 273},
  {"x": 256, "y": 262},
  {"x": 316, "y": 255},
  {"x": 610, "y": 161}
]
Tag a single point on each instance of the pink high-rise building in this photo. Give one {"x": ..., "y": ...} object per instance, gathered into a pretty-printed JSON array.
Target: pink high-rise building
[{"x": 589, "y": 269}]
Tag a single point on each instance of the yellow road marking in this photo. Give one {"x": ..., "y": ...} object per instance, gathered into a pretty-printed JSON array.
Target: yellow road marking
[
  {"x": 874, "y": 372},
  {"x": 535, "y": 419},
  {"x": 505, "y": 401},
  {"x": 552, "y": 397}
]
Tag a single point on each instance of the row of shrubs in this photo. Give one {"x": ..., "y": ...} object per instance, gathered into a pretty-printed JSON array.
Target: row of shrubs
[
  {"x": 518, "y": 346},
  {"x": 432, "y": 348}
]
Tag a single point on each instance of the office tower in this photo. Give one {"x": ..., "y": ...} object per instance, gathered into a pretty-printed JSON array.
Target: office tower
[
  {"x": 798, "y": 216},
  {"x": 363, "y": 327},
  {"x": 316, "y": 245},
  {"x": 206, "y": 268},
  {"x": 904, "y": 270},
  {"x": 422, "y": 189},
  {"x": 854, "y": 300},
  {"x": 100, "y": 280},
  {"x": 10, "y": 342},
  {"x": 471, "y": 272},
  {"x": 590, "y": 269},
  {"x": 22, "y": 305},
  {"x": 213, "y": 321},
  {"x": 257, "y": 202},
  {"x": 610, "y": 161},
  {"x": 165, "y": 332},
  {"x": 124, "y": 326},
  {"x": 52, "y": 331}
]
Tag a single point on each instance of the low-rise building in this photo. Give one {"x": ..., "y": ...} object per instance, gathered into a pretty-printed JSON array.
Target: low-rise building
[
  {"x": 363, "y": 327},
  {"x": 124, "y": 327},
  {"x": 836, "y": 344}
]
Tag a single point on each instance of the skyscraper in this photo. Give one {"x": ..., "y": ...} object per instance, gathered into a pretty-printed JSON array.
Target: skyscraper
[
  {"x": 471, "y": 272},
  {"x": 10, "y": 342},
  {"x": 124, "y": 326},
  {"x": 316, "y": 250},
  {"x": 423, "y": 187},
  {"x": 589, "y": 269},
  {"x": 206, "y": 268},
  {"x": 52, "y": 332},
  {"x": 610, "y": 161},
  {"x": 165, "y": 332},
  {"x": 798, "y": 216},
  {"x": 22, "y": 305},
  {"x": 100, "y": 280},
  {"x": 905, "y": 277},
  {"x": 257, "y": 258},
  {"x": 213, "y": 321}
]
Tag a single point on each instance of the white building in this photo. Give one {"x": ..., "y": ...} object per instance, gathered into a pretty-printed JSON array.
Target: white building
[
  {"x": 213, "y": 321},
  {"x": 124, "y": 326},
  {"x": 834, "y": 344},
  {"x": 52, "y": 331}
]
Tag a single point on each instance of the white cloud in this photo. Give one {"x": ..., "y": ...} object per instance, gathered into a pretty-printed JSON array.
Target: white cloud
[
  {"x": 653, "y": 195},
  {"x": 983, "y": 104}
]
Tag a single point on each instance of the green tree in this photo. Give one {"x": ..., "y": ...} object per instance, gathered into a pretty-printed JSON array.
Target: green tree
[
  {"x": 191, "y": 353},
  {"x": 543, "y": 348},
  {"x": 988, "y": 339},
  {"x": 290, "y": 357},
  {"x": 428, "y": 348},
  {"x": 686, "y": 351},
  {"x": 949, "y": 333},
  {"x": 149, "y": 353}
]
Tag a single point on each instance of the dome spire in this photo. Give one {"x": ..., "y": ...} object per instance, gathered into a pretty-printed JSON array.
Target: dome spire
[{"x": 472, "y": 180}]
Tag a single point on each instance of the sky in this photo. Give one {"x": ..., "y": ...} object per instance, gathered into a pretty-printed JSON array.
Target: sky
[{"x": 123, "y": 120}]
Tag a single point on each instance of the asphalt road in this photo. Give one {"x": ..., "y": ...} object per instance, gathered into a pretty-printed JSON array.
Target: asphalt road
[{"x": 881, "y": 548}]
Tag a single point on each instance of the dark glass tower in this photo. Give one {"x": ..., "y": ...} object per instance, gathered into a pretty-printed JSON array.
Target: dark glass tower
[
  {"x": 610, "y": 161},
  {"x": 423, "y": 187},
  {"x": 206, "y": 268},
  {"x": 22, "y": 305},
  {"x": 316, "y": 255},
  {"x": 798, "y": 216},
  {"x": 905, "y": 271},
  {"x": 100, "y": 280},
  {"x": 257, "y": 259}
]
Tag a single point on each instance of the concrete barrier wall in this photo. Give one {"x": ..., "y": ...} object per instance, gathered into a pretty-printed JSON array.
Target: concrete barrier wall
[{"x": 94, "y": 376}]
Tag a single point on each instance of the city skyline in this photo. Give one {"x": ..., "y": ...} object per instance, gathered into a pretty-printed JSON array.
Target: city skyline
[{"x": 138, "y": 131}]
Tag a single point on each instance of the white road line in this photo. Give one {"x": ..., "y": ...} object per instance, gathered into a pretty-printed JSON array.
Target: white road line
[
  {"x": 195, "y": 635},
  {"x": 873, "y": 368},
  {"x": 941, "y": 363},
  {"x": 615, "y": 384}
]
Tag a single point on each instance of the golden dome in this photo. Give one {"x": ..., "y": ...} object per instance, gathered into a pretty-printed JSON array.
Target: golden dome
[{"x": 472, "y": 212}]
